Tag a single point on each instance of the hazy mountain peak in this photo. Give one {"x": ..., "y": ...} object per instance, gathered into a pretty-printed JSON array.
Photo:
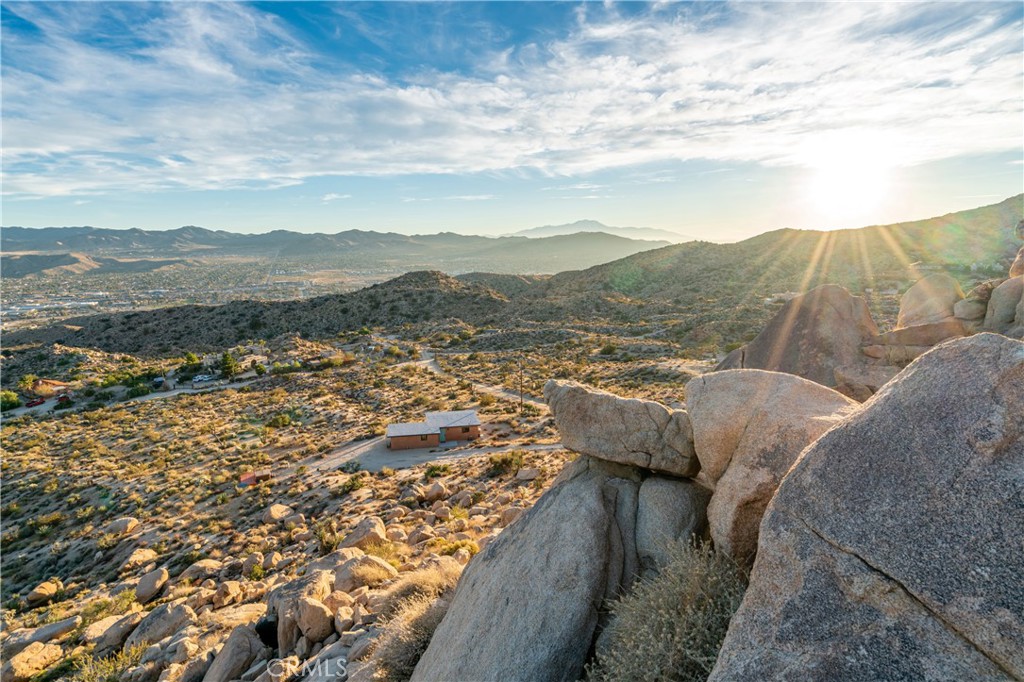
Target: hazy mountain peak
[{"x": 590, "y": 225}]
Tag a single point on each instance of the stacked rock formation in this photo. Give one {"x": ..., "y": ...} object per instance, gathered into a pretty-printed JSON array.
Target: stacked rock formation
[
  {"x": 892, "y": 550},
  {"x": 530, "y": 605}
]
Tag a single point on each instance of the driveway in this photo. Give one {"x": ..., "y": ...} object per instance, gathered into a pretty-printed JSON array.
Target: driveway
[
  {"x": 373, "y": 455},
  {"x": 430, "y": 362}
]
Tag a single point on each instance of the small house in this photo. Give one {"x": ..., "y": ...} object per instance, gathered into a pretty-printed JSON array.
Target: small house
[{"x": 438, "y": 428}]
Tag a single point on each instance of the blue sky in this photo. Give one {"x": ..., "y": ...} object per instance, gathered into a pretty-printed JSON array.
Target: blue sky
[{"x": 719, "y": 120}]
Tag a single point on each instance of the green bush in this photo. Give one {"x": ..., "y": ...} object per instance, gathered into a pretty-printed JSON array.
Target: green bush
[
  {"x": 505, "y": 463},
  {"x": 108, "y": 669},
  {"x": 672, "y": 626},
  {"x": 9, "y": 400}
]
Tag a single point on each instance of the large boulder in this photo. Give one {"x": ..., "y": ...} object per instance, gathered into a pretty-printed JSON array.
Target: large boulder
[
  {"x": 527, "y": 606},
  {"x": 929, "y": 300},
  {"x": 749, "y": 426},
  {"x": 810, "y": 336},
  {"x": 240, "y": 651},
  {"x": 29, "y": 662},
  {"x": 892, "y": 548},
  {"x": 283, "y": 604},
  {"x": 640, "y": 433},
  {"x": 22, "y": 637},
  {"x": 44, "y": 592},
  {"x": 928, "y": 334},
  {"x": 151, "y": 584},
  {"x": 1017, "y": 268},
  {"x": 1001, "y": 315},
  {"x": 860, "y": 382},
  {"x": 369, "y": 531},
  {"x": 668, "y": 511},
  {"x": 114, "y": 633},
  {"x": 163, "y": 621}
]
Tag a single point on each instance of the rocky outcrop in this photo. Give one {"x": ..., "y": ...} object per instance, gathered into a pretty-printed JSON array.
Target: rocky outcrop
[
  {"x": 1017, "y": 268},
  {"x": 44, "y": 592},
  {"x": 811, "y": 336},
  {"x": 892, "y": 548},
  {"x": 161, "y": 622},
  {"x": 749, "y": 426},
  {"x": 1001, "y": 315},
  {"x": 639, "y": 433},
  {"x": 930, "y": 300},
  {"x": 527, "y": 606}
]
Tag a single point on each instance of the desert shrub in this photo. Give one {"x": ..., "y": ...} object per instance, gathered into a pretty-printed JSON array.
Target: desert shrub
[
  {"x": 107, "y": 669},
  {"x": 608, "y": 349},
  {"x": 370, "y": 574},
  {"x": 327, "y": 537},
  {"x": 435, "y": 470},
  {"x": 672, "y": 626},
  {"x": 486, "y": 400},
  {"x": 430, "y": 581},
  {"x": 9, "y": 400},
  {"x": 350, "y": 484},
  {"x": 405, "y": 637},
  {"x": 350, "y": 467},
  {"x": 449, "y": 547},
  {"x": 505, "y": 463},
  {"x": 385, "y": 550}
]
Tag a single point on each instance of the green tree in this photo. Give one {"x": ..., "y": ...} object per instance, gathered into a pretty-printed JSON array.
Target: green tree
[
  {"x": 191, "y": 358},
  {"x": 9, "y": 400},
  {"x": 228, "y": 365},
  {"x": 25, "y": 383},
  {"x": 260, "y": 370}
]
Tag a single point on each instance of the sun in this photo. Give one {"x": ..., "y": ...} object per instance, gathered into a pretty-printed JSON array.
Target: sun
[{"x": 849, "y": 179}]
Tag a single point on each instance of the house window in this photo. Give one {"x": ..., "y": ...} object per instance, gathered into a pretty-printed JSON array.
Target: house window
[
  {"x": 423, "y": 437},
  {"x": 465, "y": 429}
]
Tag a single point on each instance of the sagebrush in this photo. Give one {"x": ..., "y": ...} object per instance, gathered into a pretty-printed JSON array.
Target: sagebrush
[{"x": 670, "y": 628}]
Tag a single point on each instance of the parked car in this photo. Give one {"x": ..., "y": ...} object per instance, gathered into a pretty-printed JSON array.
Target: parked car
[
  {"x": 200, "y": 378},
  {"x": 35, "y": 402}
]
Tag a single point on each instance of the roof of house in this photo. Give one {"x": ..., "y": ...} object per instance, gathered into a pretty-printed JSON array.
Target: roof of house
[
  {"x": 409, "y": 429},
  {"x": 435, "y": 422},
  {"x": 456, "y": 418}
]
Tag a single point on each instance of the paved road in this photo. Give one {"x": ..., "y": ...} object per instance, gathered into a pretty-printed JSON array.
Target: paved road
[{"x": 46, "y": 407}]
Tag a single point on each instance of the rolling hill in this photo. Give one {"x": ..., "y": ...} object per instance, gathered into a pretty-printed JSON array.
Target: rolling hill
[{"x": 716, "y": 292}]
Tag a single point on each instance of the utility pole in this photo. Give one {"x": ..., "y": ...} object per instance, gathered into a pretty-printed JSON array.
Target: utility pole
[{"x": 520, "y": 384}]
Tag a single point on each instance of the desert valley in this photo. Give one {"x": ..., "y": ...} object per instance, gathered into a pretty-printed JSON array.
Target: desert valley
[{"x": 366, "y": 341}]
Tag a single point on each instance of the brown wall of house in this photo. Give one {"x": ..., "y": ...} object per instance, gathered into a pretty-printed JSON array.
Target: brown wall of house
[
  {"x": 456, "y": 433},
  {"x": 411, "y": 442}
]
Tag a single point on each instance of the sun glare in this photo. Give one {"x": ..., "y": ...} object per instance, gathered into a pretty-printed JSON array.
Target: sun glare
[{"x": 850, "y": 177}]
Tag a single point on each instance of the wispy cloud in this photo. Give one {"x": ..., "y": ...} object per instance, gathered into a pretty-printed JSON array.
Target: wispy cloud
[
  {"x": 334, "y": 196},
  {"x": 226, "y": 95}
]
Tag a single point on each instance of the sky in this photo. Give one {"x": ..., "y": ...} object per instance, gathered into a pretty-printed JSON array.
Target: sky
[{"x": 718, "y": 120}]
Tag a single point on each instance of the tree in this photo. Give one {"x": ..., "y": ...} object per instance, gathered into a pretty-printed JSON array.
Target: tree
[
  {"x": 228, "y": 365},
  {"x": 191, "y": 358},
  {"x": 25, "y": 383},
  {"x": 9, "y": 400}
]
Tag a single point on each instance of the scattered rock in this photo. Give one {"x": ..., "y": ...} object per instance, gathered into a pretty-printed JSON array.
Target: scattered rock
[
  {"x": 29, "y": 662},
  {"x": 276, "y": 513},
  {"x": 200, "y": 571},
  {"x": 625, "y": 430},
  {"x": 860, "y": 382},
  {"x": 44, "y": 592},
  {"x": 810, "y": 336},
  {"x": 163, "y": 621},
  {"x": 122, "y": 526},
  {"x": 892, "y": 548},
  {"x": 139, "y": 558},
  {"x": 242, "y": 648},
  {"x": 749, "y": 427},
  {"x": 315, "y": 620},
  {"x": 930, "y": 299},
  {"x": 151, "y": 584},
  {"x": 116, "y": 633},
  {"x": 369, "y": 531},
  {"x": 228, "y": 592},
  {"x": 527, "y": 474},
  {"x": 349, "y": 575},
  {"x": 21, "y": 638}
]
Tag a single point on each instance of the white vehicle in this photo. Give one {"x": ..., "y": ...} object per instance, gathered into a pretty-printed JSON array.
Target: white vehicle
[{"x": 200, "y": 378}]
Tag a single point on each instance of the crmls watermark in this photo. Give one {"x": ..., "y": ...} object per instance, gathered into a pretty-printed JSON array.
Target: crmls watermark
[{"x": 330, "y": 669}]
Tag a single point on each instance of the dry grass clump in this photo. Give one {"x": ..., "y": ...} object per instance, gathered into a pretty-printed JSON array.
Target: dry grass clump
[
  {"x": 430, "y": 582},
  {"x": 406, "y": 636},
  {"x": 370, "y": 574},
  {"x": 672, "y": 627},
  {"x": 109, "y": 669}
]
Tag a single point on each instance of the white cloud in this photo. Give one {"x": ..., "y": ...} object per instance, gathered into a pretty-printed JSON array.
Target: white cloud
[
  {"x": 224, "y": 96},
  {"x": 334, "y": 196}
]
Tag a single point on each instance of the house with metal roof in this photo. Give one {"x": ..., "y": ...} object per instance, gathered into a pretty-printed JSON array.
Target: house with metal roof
[{"x": 438, "y": 428}]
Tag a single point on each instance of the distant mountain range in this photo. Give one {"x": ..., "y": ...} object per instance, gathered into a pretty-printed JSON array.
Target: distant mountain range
[
  {"x": 647, "y": 233},
  {"x": 354, "y": 249},
  {"x": 715, "y": 291}
]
